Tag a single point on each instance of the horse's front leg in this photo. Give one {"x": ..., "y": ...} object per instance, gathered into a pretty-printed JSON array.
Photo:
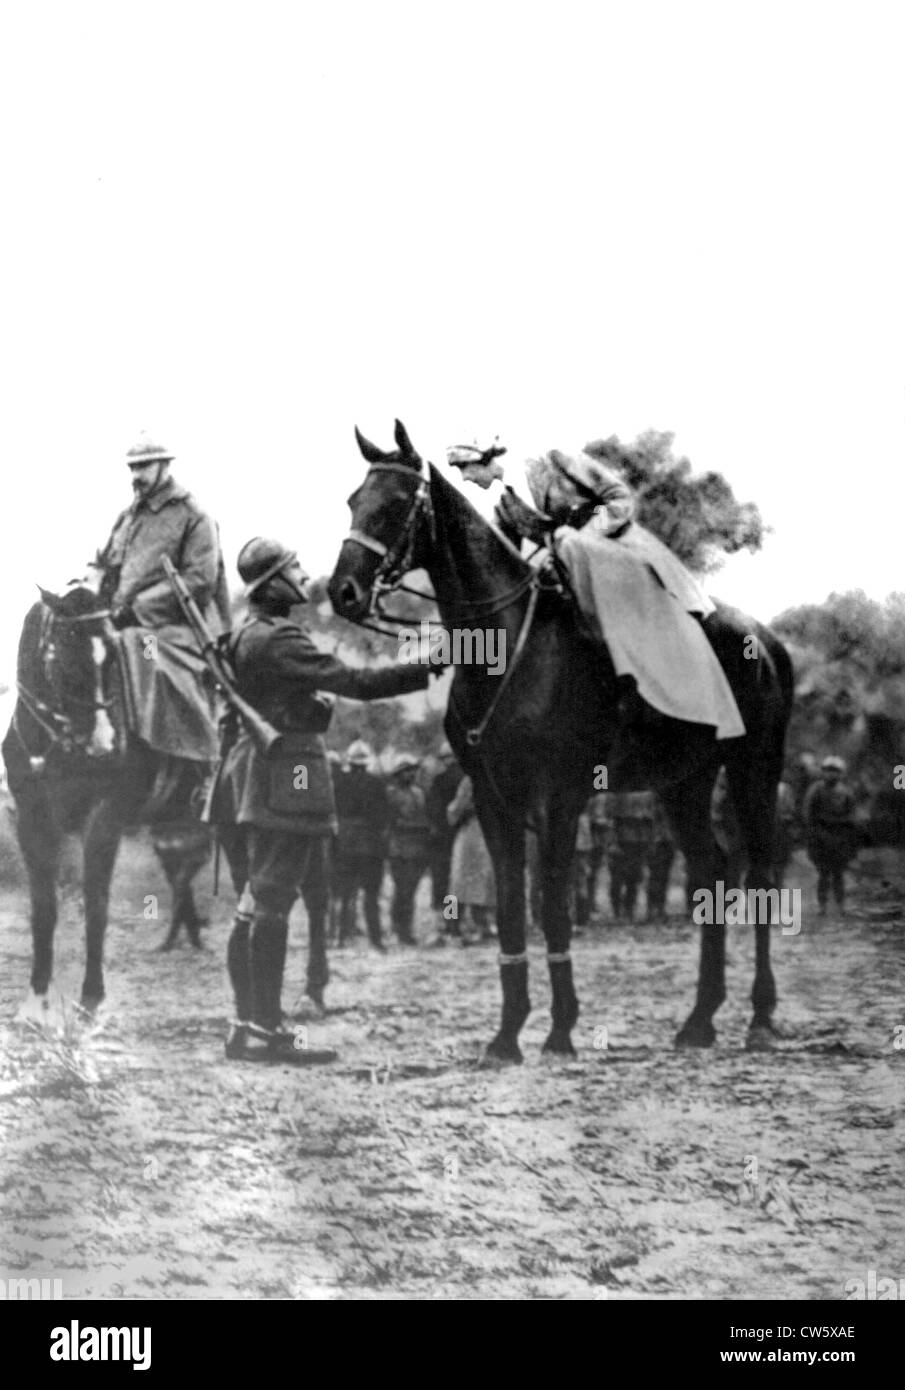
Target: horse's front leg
[
  {"x": 506, "y": 843},
  {"x": 103, "y": 832},
  {"x": 40, "y": 840},
  {"x": 557, "y": 849}
]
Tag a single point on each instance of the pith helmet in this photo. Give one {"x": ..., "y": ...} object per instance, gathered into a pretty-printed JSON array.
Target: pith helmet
[
  {"x": 359, "y": 754},
  {"x": 144, "y": 450},
  {"x": 260, "y": 559},
  {"x": 833, "y": 764}
]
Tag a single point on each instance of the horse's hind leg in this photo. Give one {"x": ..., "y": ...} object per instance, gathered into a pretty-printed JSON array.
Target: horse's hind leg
[
  {"x": 688, "y": 808},
  {"x": 40, "y": 841},
  {"x": 102, "y": 836},
  {"x": 754, "y": 796}
]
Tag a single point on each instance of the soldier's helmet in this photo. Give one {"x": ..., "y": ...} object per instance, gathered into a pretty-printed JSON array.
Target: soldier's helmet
[
  {"x": 833, "y": 764},
  {"x": 359, "y": 754},
  {"x": 144, "y": 450},
  {"x": 404, "y": 762},
  {"x": 260, "y": 559}
]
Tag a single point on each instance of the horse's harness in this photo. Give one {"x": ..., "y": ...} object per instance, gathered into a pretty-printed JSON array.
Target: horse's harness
[
  {"x": 56, "y": 724},
  {"x": 396, "y": 559}
]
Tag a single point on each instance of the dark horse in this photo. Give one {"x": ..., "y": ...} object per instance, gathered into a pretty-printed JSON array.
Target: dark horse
[
  {"x": 73, "y": 765},
  {"x": 532, "y": 738}
]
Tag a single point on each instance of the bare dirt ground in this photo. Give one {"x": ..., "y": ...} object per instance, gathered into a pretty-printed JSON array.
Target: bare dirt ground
[{"x": 137, "y": 1163}]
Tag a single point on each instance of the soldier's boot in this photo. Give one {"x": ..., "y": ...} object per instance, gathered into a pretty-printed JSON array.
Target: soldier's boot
[
  {"x": 238, "y": 965},
  {"x": 267, "y": 956},
  {"x": 266, "y": 1039}
]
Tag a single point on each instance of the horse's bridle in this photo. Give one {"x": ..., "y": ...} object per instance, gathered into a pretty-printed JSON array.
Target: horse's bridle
[
  {"x": 396, "y": 559},
  {"x": 55, "y": 723}
]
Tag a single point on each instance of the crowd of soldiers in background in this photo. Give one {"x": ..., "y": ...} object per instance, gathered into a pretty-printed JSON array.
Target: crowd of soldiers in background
[{"x": 419, "y": 818}]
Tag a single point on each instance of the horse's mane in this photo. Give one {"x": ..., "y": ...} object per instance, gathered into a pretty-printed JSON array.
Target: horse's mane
[{"x": 478, "y": 528}]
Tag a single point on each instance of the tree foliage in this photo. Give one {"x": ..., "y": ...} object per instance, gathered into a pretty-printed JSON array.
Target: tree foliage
[
  {"x": 849, "y": 658},
  {"x": 696, "y": 514}
]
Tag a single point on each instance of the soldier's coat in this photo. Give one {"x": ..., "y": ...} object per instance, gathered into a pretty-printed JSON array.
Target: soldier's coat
[
  {"x": 279, "y": 671},
  {"x": 169, "y": 522}
]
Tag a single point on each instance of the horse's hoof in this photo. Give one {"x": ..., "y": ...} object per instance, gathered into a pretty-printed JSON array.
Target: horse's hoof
[
  {"x": 761, "y": 1038},
  {"x": 696, "y": 1035},
  {"x": 498, "y": 1054},
  {"x": 91, "y": 1003},
  {"x": 559, "y": 1042}
]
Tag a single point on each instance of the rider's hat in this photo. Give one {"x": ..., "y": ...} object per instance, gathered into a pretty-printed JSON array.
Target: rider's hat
[
  {"x": 585, "y": 473},
  {"x": 144, "y": 450},
  {"x": 260, "y": 559}
]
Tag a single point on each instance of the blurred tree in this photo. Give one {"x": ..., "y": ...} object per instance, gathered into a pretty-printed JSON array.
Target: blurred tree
[{"x": 696, "y": 515}]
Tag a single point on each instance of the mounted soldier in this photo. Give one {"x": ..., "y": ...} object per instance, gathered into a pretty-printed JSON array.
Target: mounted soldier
[
  {"x": 163, "y": 519},
  {"x": 635, "y": 594},
  {"x": 170, "y": 699},
  {"x": 282, "y": 801}
]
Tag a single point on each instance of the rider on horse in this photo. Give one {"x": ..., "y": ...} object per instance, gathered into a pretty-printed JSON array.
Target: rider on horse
[
  {"x": 163, "y": 519},
  {"x": 635, "y": 593},
  {"x": 170, "y": 703}
]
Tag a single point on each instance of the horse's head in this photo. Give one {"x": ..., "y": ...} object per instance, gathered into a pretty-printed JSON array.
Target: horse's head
[
  {"x": 75, "y": 643},
  {"x": 387, "y": 538}
]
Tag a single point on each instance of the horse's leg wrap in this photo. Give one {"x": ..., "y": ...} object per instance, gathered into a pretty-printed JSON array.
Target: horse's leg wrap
[
  {"x": 516, "y": 1008},
  {"x": 564, "y": 1008}
]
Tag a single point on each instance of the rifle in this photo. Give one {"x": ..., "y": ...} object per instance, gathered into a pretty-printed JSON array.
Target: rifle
[{"x": 260, "y": 730}]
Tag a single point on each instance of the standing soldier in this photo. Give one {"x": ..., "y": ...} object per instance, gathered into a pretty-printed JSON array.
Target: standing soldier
[
  {"x": 284, "y": 798},
  {"x": 440, "y": 793},
  {"x": 409, "y": 846},
  {"x": 362, "y": 812},
  {"x": 632, "y": 815},
  {"x": 829, "y": 826}
]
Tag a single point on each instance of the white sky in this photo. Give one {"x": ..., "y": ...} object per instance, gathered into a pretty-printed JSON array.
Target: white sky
[{"x": 248, "y": 226}]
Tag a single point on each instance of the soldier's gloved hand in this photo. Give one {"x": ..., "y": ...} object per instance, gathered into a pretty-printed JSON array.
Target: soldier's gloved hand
[
  {"x": 123, "y": 615},
  {"x": 512, "y": 514}
]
